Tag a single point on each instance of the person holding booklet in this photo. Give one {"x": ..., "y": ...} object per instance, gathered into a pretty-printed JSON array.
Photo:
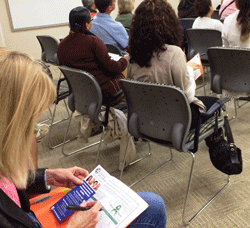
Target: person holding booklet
[
  {"x": 162, "y": 61},
  {"x": 25, "y": 91}
]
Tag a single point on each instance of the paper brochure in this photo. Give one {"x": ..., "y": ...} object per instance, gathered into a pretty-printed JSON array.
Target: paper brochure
[
  {"x": 120, "y": 204},
  {"x": 195, "y": 65}
]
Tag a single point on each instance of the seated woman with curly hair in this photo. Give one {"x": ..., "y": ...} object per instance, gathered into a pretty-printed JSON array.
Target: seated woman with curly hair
[
  {"x": 155, "y": 51},
  {"x": 204, "y": 10}
]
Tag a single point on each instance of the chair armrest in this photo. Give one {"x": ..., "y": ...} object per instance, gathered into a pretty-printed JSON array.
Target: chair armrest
[
  {"x": 218, "y": 104},
  {"x": 59, "y": 84}
]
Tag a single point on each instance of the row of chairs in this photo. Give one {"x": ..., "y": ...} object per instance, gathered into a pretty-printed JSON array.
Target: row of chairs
[
  {"x": 148, "y": 121},
  {"x": 49, "y": 47},
  {"x": 161, "y": 113},
  {"x": 158, "y": 113}
]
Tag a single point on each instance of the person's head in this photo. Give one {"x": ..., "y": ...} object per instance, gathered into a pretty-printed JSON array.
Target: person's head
[
  {"x": 105, "y": 6},
  {"x": 89, "y": 4},
  {"x": 80, "y": 19},
  {"x": 154, "y": 24},
  {"x": 203, "y": 7},
  {"x": 125, "y": 6},
  {"x": 244, "y": 18},
  {"x": 25, "y": 91},
  {"x": 89, "y": 178}
]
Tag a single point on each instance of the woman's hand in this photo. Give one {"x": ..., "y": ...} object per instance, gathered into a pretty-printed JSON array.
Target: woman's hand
[
  {"x": 126, "y": 56},
  {"x": 69, "y": 178},
  {"x": 85, "y": 219}
]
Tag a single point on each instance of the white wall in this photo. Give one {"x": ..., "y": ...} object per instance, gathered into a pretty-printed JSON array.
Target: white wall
[
  {"x": 26, "y": 41},
  {"x": 2, "y": 41}
]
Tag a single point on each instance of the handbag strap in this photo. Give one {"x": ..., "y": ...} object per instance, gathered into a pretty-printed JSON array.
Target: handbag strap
[
  {"x": 231, "y": 146},
  {"x": 216, "y": 122},
  {"x": 228, "y": 131}
]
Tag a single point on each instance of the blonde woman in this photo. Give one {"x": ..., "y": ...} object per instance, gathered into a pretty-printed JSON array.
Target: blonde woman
[
  {"x": 25, "y": 91},
  {"x": 125, "y": 15}
]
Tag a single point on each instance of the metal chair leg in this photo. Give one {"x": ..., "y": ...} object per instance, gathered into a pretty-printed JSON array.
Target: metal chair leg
[
  {"x": 149, "y": 153},
  {"x": 186, "y": 223},
  {"x": 100, "y": 143},
  {"x": 69, "y": 140},
  {"x": 49, "y": 119},
  {"x": 169, "y": 159},
  {"x": 235, "y": 109},
  {"x": 59, "y": 121}
]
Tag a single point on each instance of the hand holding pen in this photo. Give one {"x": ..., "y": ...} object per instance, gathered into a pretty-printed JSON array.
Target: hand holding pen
[{"x": 87, "y": 218}]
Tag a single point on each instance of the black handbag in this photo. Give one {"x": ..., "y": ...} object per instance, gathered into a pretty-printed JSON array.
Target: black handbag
[{"x": 224, "y": 154}]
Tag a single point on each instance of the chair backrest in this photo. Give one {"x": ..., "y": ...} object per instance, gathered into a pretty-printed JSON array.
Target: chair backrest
[
  {"x": 86, "y": 95},
  {"x": 230, "y": 69},
  {"x": 199, "y": 40},
  {"x": 158, "y": 112},
  {"x": 113, "y": 49},
  {"x": 216, "y": 15},
  {"x": 49, "y": 47},
  {"x": 187, "y": 23}
]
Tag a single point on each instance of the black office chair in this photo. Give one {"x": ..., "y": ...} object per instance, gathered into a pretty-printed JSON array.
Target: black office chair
[
  {"x": 187, "y": 23},
  {"x": 216, "y": 15},
  {"x": 86, "y": 98},
  {"x": 199, "y": 40},
  {"x": 230, "y": 70},
  {"x": 161, "y": 113},
  {"x": 113, "y": 49},
  {"x": 49, "y": 46}
]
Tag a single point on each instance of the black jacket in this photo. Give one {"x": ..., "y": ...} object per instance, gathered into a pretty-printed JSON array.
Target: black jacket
[{"x": 11, "y": 215}]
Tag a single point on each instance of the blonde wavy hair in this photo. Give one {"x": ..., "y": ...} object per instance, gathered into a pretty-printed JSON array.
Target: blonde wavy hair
[
  {"x": 25, "y": 91},
  {"x": 125, "y": 6}
]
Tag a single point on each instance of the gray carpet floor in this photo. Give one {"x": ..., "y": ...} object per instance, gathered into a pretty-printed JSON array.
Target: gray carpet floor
[{"x": 229, "y": 209}]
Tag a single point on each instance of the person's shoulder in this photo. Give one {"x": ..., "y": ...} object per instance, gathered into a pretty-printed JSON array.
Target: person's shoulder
[
  {"x": 217, "y": 22},
  {"x": 173, "y": 50},
  {"x": 231, "y": 17}
]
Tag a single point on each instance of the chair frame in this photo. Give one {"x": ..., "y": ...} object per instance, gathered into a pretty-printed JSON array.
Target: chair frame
[
  {"x": 178, "y": 142},
  {"x": 94, "y": 117},
  {"x": 232, "y": 72},
  {"x": 49, "y": 56}
]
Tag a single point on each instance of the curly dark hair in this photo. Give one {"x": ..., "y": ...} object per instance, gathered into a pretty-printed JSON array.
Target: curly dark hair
[
  {"x": 153, "y": 25},
  {"x": 202, "y": 7},
  {"x": 244, "y": 18}
]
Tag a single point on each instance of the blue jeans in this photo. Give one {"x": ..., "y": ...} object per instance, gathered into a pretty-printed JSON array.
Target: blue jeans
[{"x": 154, "y": 216}]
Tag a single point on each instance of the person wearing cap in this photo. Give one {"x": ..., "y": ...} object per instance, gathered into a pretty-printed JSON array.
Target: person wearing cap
[
  {"x": 81, "y": 49},
  {"x": 108, "y": 30},
  {"x": 90, "y": 5}
]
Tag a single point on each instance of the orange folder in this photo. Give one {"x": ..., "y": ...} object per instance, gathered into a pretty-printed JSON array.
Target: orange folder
[{"x": 41, "y": 204}]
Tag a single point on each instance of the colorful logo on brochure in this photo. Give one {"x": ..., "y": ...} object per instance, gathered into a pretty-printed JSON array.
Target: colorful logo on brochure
[{"x": 98, "y": 170}]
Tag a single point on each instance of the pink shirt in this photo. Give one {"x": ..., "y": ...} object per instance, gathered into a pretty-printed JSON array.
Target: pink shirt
[
  {"x": 229, "y": 10},
  {"x": 10, "y": 190}
]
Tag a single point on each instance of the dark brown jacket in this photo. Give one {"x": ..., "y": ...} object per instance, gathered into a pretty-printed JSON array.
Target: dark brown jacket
[{"x": 87, "y": 52}]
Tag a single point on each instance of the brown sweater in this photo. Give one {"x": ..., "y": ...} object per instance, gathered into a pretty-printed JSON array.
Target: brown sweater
[{"x": 88, "y": 52}]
